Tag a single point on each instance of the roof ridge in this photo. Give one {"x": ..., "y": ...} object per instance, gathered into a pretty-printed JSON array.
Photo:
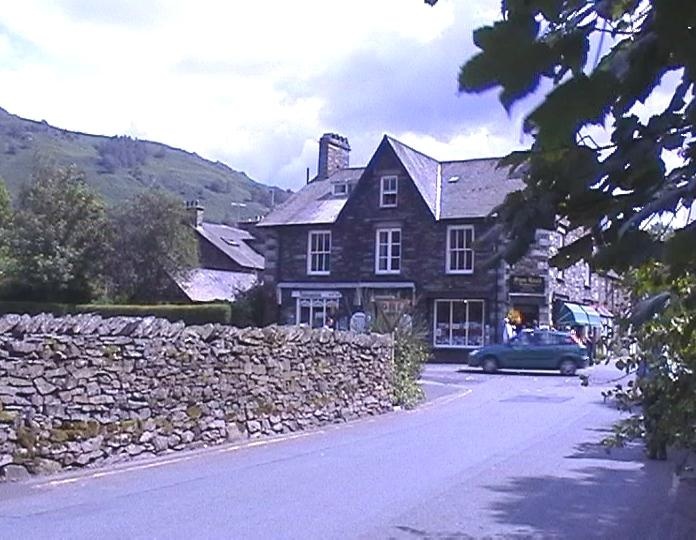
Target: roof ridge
[
  {"x": 467, "y": 160},
  {"x": 389, "y": 137}
]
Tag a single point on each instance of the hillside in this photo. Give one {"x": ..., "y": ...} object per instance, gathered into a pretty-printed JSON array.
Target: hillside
[{"x": 119, "y": 167}]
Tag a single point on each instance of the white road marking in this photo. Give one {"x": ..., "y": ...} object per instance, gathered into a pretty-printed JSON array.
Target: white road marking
[{"x": 236, "y": 447}]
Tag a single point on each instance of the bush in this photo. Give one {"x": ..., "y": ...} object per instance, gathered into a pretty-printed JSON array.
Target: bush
[
  {"x": 255, "y": 307},
  {"x": 190, "y": 314},
  {"x": 410, "y": 353}
]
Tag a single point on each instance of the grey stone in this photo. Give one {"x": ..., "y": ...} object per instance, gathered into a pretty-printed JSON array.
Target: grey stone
[
  {"x": 5, "y": 459},
  {"x": 15, "y": 473},
  {"x": 43, "y": 386},
  {"x": 160, "y": 443}
]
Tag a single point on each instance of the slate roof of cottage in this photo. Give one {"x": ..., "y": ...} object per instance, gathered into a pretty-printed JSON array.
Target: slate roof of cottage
[
  {"x": 233, "y": 243},
  {"x": 422, "y": 169},
  {"x": 467, "y": 189},
  {"x": 480, "y": 187},
  {"x": 208, "y": 285},
  {"x": 315, "y": 203}
]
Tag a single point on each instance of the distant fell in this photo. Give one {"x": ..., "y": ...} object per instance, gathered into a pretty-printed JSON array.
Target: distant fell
[{"x": 119, "y": 167}]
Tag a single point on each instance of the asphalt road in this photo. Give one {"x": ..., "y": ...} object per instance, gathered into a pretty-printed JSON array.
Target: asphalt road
[{"x": 489, "y": 456}]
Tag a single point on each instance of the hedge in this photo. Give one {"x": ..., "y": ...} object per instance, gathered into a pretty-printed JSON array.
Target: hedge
[{"x": 190, "y": 314}]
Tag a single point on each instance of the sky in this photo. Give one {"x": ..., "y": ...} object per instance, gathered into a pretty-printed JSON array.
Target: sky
[{"x": 255, "y": 84}]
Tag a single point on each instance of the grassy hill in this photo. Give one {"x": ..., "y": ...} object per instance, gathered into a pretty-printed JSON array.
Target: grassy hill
[{"x": 119, "y": 167}]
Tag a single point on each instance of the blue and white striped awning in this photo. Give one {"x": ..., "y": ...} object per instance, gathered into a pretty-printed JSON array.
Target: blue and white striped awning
[{"x": 577, "y": 315}]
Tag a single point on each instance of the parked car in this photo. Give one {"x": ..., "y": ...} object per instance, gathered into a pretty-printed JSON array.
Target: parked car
[{"x": 538, "y": 349}]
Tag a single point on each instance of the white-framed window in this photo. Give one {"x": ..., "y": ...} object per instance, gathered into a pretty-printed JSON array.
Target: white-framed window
[
  {"x": 458, "y": 323},
  {"x": 561, "y": 244},
  {"x": 388, "y": 191},
  {"x": 388, "y": 251},
  {"x": 340, "y": 189},
  {"x": 587, "y": 275},
  {"x": 315, "y": 312},
  {"x": 460, "y": 249},
  {"x": 319, "y": 253}
]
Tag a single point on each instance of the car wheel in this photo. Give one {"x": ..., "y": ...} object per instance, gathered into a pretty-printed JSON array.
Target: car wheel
[
  {"x": 567, "y": 367},
  {"x": 489, "y": 364}
]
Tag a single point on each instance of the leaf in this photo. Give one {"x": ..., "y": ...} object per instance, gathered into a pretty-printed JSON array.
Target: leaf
[
  {"x": 646, "y": 309},
  {"x": 511, "y": 57},
  {"x": 577, "y": 102},
  {"x": 680, "y": 254},
  {"x": 579, "y": 249}
]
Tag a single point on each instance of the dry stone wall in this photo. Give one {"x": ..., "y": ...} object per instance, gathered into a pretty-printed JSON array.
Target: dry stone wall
[{"x": 85, "y": 391}]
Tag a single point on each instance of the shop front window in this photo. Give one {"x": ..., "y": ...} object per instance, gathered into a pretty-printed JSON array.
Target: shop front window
[
  {"x": 316, "y": 312},
  {"x": 458, "y": 323}
]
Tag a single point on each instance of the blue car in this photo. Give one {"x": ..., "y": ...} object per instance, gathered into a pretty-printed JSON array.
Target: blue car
[{"x": 538, "y": 349}]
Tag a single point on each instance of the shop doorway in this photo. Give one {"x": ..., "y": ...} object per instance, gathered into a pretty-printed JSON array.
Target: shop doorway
[{"x": 525, "y": 315}]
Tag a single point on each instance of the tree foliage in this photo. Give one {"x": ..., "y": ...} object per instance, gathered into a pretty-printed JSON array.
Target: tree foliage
[
  {"x": 609, "y": 187},
  {"x": 613, "y": 150},
  {"x": 58, "y": 238},
  {"x": 5, "y": 228},
  {"x": 121, "y": 152},
  {"x": 663, "y": 351},
  {"x": 152, "y": 244}
]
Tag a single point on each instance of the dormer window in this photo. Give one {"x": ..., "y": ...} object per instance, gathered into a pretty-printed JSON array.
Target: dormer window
[
  {"x": 340, "y": 189},
  {"x": 389, "y": 189}
]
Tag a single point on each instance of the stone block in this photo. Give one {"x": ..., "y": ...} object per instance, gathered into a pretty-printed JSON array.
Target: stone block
[{"x": 15, "y": 473}]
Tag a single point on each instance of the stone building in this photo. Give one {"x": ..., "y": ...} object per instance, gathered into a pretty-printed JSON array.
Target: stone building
[
  {"x": 403, "y": 234},
  {"x": 228, "y": 262}
]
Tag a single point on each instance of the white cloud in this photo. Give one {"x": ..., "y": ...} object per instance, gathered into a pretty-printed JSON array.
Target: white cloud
[{"x": 221, "y": 78}]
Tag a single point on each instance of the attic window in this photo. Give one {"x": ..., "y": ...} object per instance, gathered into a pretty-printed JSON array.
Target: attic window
[
  {"x": 231, "y": 241},
  {"x": 453, "y": 179},
  {"x": 340, "y": 189}
]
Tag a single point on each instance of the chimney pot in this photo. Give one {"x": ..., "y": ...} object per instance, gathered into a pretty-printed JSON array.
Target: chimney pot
[
  {"x": 195, "y": 212},
  {"x": 334, "y": 154}
]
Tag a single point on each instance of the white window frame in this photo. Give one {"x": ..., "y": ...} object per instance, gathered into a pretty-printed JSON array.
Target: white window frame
[
  {"x": 451, "y": 303},
  {"x": 325, "y": 254},
  {"x": 587, "y": 275},
  {"x": 464, "y": 250},
  {"x": 340, "y": 188},
  {"x": 322, "y": 306},
  {"x": 388, "y": 190},
  {"x": 390, "y": 247},
  {"x": 562, "y": 241}
]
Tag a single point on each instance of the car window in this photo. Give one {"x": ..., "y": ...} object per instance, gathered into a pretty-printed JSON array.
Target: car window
[
  {"x": 546, "y": 338},
  {"x": 527, "y": 338}
]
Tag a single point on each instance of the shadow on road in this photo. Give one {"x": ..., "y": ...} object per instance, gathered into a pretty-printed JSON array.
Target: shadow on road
[
  {"x": 626, "y": 497},
  {"x": 521, "y": 373}
]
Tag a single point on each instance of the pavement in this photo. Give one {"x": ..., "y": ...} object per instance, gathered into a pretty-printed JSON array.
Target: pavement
[{"x": 511, "y": 455}]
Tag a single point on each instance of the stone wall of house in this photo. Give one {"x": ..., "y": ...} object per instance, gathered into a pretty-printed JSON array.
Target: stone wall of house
[
  {"x": 86, "y": 391},
  {"x": 579, "y": 284}
]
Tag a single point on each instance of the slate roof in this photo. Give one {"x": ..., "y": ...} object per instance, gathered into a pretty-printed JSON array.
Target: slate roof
[
  {"x": 422, "y": 169},
  {"x": 208, "y": 285},
  {"x": 480, "y": 187},
  {"x": 314, "y": 203},
  {"x": 233, "y": 243}
]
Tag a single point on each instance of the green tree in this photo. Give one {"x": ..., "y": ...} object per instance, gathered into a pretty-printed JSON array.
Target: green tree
[
  {"x": 58, "y": 239},
  {"x": 5, "y": 229},
  {"x": 152, "y": 244},
  {"x": 599, "y": 162}
]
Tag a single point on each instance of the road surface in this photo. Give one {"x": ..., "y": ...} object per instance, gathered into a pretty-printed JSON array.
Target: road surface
[{"x": 488, "y": 456}]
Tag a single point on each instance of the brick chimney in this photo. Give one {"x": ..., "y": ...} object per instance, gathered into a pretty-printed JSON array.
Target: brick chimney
[
  {"x": 334, "y": 154},
  {"x": 195, "y": 213}
]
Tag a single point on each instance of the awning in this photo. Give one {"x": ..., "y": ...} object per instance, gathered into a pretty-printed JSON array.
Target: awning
[
  {"x": 577, "y": 315},
  {"x": 604, "y": 312},
  {"x": 593, "y": 316},
  {"x": 572, "y": 315}
]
